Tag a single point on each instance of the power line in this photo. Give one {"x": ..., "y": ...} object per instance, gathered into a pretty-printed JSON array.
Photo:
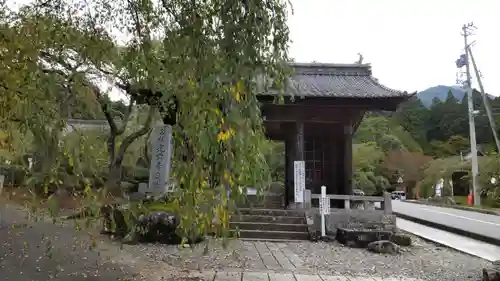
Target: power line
[{"x": 485, "y": 101}]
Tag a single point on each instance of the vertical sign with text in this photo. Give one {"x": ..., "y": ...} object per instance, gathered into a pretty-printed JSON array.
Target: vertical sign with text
[
  {"x": 299, "y": 180},
  {"x": 161, "y": 161}
]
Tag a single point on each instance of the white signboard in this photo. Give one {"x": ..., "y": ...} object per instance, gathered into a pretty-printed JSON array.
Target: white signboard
[
  {"x": 324, "y": 202},
  {"x": 299, "y": 174},
  {"x": 324, "y": 209},
  {"x": 324, "y": 206},
  {"x": 439, "y": 187},
  {"x": 159, "y": 172}
]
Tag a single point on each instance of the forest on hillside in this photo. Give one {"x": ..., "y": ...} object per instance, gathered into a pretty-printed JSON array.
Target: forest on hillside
[{"x": 419, "y": 143}]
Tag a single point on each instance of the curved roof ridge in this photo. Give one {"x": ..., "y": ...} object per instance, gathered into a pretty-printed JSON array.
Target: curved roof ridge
[
  {"x": 316, "y": 68},
  {"x": 330, "y": 65},
  {"x": 332, "y": 80},
  {"x": 377, "y": 83}
]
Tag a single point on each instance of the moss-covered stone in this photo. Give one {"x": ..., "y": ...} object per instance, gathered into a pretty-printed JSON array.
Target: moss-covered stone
[{"x": 401, "y": 239}]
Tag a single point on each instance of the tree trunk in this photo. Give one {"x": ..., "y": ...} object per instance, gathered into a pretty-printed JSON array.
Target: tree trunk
[
  {"x": 147, "y": 159},
  {"x": 116, "y": 157},
  {"x": 111, "y": 148},
  {"x": 112, "y": 184},
  {"x": 114, "y": 178}
]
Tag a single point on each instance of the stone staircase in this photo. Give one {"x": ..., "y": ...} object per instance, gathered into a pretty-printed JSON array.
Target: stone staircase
[
  {"x": 270, "y": 201},
  {"x": 269, "y": 224}
]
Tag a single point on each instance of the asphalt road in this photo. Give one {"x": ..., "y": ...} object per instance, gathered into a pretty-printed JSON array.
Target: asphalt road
[
  {"x": 44, "y": 251},
  {"x": 478, "y": 223}
]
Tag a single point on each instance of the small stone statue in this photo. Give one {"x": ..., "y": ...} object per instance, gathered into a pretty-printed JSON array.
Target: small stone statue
[{"x": 360, "y": 59}]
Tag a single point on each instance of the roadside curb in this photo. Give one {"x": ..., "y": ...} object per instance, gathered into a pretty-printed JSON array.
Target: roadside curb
[
  {"x": 457, "y": 207},
  {"x": 461, "y": 232}
]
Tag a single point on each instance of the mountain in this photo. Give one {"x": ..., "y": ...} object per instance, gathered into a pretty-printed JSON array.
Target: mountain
[{"x": 440, "y": 92}]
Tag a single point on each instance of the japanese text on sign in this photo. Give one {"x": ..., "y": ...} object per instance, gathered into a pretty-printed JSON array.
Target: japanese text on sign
[
  {"x": 299, "y": 180},
  {"x": 159, "y": 174}
]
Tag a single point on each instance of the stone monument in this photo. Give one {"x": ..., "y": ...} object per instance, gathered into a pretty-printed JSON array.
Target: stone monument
[{"x": 161, "y": 161}]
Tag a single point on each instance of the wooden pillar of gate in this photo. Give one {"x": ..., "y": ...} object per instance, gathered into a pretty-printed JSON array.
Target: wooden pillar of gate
[{"x": 348, "y": 168}]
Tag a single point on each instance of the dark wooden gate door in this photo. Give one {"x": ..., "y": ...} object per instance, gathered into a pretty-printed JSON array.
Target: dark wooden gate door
[{"x": 318, "y": 162}]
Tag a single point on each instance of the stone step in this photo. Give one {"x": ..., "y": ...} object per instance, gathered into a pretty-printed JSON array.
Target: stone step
[
  {"x": 255, "y": 199},
  {"x": 260, "y": 206},
  {"x": 264, "y": 197},
  {"x": 270, "y": 240},
  {"x": 269, "y": 202},
  {"x": 269, "y": 219},
  {"x": 281, "y": 235},
  {"x": 270, "y": 212},
  {"x": 269, "y": 226}
]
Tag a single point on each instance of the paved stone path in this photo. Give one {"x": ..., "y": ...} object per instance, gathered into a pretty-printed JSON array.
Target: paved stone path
[
  {"x": 263, "y": 276},
  {"x": 264, "y": 261},
  {"x": 271, "y": 255}
]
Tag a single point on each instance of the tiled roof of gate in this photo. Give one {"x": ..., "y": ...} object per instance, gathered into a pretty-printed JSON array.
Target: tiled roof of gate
[{"x": 336, "y": 80}]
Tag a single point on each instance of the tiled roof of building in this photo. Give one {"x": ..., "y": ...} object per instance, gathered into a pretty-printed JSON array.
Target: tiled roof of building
[{"x": 336, "y": 80}]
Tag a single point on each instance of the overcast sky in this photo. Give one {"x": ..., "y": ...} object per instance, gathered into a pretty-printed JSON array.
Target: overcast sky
[{"x": 411, "y": 44}]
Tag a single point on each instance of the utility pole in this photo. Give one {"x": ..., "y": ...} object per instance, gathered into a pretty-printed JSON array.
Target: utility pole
[
  {"x": 485, "y": 101},
  {"x": 466, "y": 32}
]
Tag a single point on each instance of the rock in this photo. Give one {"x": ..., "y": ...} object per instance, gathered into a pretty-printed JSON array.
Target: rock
[
  {"x": 360, "y": 238},
  {"x": 383, "y": 247},
  {"x": 496, "y": 263},
  {"x": 401, "y": 239},
  {"x": 154, "y": 227},
  {"x": 161, "y": 227},
  {"x": 490, "y": 274}
]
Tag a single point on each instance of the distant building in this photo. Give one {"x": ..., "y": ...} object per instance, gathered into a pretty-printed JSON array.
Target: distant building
[{"x": 80, "y": 124}]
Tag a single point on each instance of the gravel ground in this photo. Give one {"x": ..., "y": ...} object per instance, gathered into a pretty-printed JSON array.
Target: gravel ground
[
  {"x": 423, "y": 260},
  {"x": 20, "y": 261},
  {"x": 41, "y": 251}
]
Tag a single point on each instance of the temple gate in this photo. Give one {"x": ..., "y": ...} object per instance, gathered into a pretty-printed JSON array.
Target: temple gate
[{"x": 323, "y": 106}]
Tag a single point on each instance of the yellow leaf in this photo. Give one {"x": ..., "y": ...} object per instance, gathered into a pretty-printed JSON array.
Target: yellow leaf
[{"x": 223, "y": 136}]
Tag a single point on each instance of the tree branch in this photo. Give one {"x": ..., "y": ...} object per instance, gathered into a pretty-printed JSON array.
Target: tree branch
[
  {"x": 126, "y": 117},
  {"x": 61, "y": 61},
  {"x": 135, "y": 135},
  {"x": 146, "y": 147},
  {"x": 105, "y": 110}
]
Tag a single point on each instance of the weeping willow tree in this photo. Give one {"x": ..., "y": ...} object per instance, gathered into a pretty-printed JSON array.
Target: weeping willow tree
[
  {"x": 34, "y": 98},
  {"x": 201, "y": 56}
]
